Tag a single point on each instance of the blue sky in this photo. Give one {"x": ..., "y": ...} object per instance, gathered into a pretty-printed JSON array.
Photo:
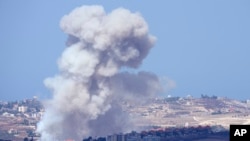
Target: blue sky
[{"x": 203, "y": 46}]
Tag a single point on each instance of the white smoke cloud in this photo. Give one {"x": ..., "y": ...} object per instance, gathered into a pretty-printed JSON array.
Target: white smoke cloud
[{"x": 87, "y": 92}]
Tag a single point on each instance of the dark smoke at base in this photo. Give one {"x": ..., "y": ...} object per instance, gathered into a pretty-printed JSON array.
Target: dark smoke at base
[{"x": 88, "y": 91}]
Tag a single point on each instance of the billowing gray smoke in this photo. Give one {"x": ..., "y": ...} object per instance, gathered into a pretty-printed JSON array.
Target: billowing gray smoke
[{"x": 88, "y": 91}]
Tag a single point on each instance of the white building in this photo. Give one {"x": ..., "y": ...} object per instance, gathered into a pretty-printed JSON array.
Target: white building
[{"x": 22, "y": 109}]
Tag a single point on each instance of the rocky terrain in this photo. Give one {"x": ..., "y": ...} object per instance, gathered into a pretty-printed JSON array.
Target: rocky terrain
[{"x": 188, "y": 111}]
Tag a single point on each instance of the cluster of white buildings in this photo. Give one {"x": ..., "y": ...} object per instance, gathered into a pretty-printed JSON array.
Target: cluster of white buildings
[{"x": 27, "y": 108}]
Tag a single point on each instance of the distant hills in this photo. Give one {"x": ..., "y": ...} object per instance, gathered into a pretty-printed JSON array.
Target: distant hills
[
  {"x": 18, "y": 119},
  {"x": 189, "y": 111}
]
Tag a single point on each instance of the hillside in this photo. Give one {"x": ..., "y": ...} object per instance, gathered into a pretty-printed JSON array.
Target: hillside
[{"x": 180, "y": 112}]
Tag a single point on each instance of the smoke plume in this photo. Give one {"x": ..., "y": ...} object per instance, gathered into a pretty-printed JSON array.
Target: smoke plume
[{"x": 89, "y": 89}]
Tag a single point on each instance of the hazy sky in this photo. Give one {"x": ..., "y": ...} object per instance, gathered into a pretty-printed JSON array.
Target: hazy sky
[{"x": 203, "y": 47}]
